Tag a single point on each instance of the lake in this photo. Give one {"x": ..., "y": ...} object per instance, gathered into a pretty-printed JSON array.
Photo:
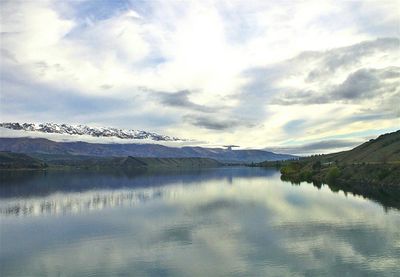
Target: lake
[{"x": 233, "y": 221}]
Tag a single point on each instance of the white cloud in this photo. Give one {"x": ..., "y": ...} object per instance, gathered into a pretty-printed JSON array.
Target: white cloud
[{"x": 203, "y": 47}]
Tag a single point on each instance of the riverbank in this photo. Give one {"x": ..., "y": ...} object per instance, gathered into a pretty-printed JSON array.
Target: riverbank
[
  {"x": 383, "y": 174},
  {"x": 313, "y": 170},
  {"x": 378, "y": 182},
  {"x": 373, "y": 163}
]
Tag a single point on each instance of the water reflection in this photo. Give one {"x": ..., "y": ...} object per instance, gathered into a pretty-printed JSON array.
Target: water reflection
[
  {"x": 234, "y": 221},
  {"x": 59, "y": 192},
  {"x": 387, "y": 196},
  {"x": 78, "y": 202},
  {"x": 41, "y": 183}
]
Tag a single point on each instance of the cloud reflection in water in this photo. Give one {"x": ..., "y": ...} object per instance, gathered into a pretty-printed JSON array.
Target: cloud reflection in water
[{"x": 248, "y": 224}]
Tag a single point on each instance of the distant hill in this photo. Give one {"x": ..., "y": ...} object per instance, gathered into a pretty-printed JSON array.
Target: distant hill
[
  {"x": 10, "y": 160},
  {"x": 17, "y": 160},
  {"x": 125, "y": 162},
  {"x": 45, "y": 146}
]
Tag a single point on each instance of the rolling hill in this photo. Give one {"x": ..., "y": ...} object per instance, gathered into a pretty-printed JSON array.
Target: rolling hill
[
  {"x": 10, "y": 160},
  {"x": 45, "y": 146},
  {"x": 376, "y": 162},
  {"x": 385, "y": 148}
]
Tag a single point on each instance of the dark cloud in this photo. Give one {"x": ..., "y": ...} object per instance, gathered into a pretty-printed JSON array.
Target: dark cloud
[
  {"x": 391, "y": 73},
  {"x": 208, "y": 117},
  {"x": 106, "y": 86},
  {"x": 366, "y": 116},
  {"x": 6, "y": 54},
  {"x": 214, "y": 123},
  {"x": 265, "y": 83},
  {"x": 324, "y": 63},
  {"x": 367, "y": 84},
  {"x": 360, "y": 85},
  {"x": 42, "y": 68},
  {"x": 292, "y": 97},
  {"x": 324, "y": 146},
  {"x": 209, "y": 123},
  {"x": 180, "y": 99},
  {"x": 213, "y": 118},
  {"x": 332, "y": 60}
]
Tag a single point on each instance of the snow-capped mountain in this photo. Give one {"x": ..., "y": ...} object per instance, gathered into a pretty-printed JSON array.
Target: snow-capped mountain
[{"x": 66, "y": 129}]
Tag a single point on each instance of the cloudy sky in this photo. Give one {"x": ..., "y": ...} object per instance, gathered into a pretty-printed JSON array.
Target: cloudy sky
[{"x": 259, "y": 74}]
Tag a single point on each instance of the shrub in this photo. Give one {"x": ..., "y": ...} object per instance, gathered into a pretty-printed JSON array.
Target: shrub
[
  {"x": 306, "y": 175},
  {"x": 291, "y": 168},
  {"x": 333, "y": 174},
  {"x": 383, "y": 173},
  {"x": 316, "y": 166}
]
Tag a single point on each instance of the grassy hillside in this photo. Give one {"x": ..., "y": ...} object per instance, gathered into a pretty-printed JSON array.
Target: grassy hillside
[
  {"x": 10, "y": 160},
  {"x": 384, "y": 149},
  {"x": 376, "y": 162}
]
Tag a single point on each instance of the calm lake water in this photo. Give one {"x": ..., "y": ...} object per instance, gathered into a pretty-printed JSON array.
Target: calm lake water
[{"x": 211, "y": 222}]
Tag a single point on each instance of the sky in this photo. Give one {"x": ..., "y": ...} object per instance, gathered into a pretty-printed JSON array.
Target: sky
[{"x": 289, "y": 76}]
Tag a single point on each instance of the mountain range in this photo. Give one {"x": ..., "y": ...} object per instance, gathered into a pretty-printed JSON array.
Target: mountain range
[
  {"x": 45, "y": 146},
  {"x": 65, "y": 129}
]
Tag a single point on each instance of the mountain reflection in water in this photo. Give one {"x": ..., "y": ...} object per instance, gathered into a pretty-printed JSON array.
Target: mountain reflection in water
[{"x": 58, "y": 192}]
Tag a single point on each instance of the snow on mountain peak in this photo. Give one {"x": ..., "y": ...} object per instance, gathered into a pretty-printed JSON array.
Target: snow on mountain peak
[{"x": 54, "y": 128}]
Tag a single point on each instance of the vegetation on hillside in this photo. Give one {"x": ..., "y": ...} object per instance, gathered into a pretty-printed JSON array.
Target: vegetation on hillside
[
  {"x": 371, "y": 170},
  {"x": 367, "y": 174},
  {"x": 376, "y": 162},
  {"x": 10, "y": 160}
]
